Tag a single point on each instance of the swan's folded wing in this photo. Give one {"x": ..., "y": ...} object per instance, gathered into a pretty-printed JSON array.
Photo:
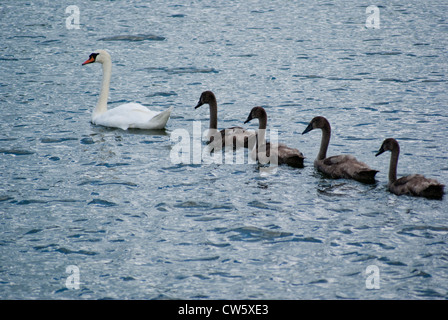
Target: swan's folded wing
[
  {"x": 416, "y": 184},
  {"x": 157, "y": 121},
  {"x": 133, "y": 115},
  {"x": 337, "y": 160}
]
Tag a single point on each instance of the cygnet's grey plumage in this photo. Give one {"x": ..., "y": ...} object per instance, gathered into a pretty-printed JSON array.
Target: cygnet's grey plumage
[
  {"x": 415, "y": 184},
  {"x": 278, "y": 151},
  {"x": 340, "y": 166},
  {"x": 234, "y": 136}
]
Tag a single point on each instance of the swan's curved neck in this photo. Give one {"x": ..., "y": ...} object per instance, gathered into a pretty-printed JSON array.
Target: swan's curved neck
[
  {"x": 262, "y": 124},
  {"x": 101, "y": 106},
  {"x": 395, "y": 152},
  {"x": 213, "y": 114},
  {"x": 326, "y": 134}
]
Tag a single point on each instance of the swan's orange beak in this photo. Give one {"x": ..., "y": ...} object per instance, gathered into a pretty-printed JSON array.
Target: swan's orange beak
[{"x": 90, "y": 60}]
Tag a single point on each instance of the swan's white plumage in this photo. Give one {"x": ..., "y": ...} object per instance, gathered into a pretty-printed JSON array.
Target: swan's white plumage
[
  {"x": 125, "y": 116},
  {"x": 132, "y": 115}
]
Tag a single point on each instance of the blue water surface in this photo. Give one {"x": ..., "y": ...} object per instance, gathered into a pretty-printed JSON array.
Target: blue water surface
[{"x": 137, "y": 226}]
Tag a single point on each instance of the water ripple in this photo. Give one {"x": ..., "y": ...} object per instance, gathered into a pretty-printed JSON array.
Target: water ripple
[{"x": 138, "y": 37}]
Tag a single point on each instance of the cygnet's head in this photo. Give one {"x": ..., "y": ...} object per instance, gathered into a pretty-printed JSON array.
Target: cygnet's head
[
  {"x": 388, "y": 145},
  {"x": 256, "y": 112},
  {"x": 206, "y": 98},
  {"x": 317, "y": 123}
]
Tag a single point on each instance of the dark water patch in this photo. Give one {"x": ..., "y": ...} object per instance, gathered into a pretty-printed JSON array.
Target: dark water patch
[
  {"x": 56, "y": 140},
  {"x": 194, "y": 204},
  {"x": 45, "y": 248},
  {"x": 137, "y": 37},
  {"x": 337, "y": 189},
  {"x": 259, "y": 205},
  {"x": 344, "y": 79},
  {"x": 218, "y": 245},
  {"x": 212, "y": 258},
  {"x": 127, "y": 184},
  {"x": 381, "y": 245},
  {"x": 384, "y": 53},
  {"x": 252, "y": 234},
  {"x": 56, "y": 248},
  {"x": 26, "y": 37},
  {"x": 364, "y": 257},
  {"x": 52, "y": 42},
  {"x": 161, "y": 207},
  {"x": 373, "y": 39},
  {"x": 224, "y": 274},
  {"x": 208, "y": 218},
  {"x": 304, "y": 239},
  {"x": 362, "y": 125},
  {"x": 128, "y": 278},
  {"x": 183, "y": 70},
  {"x": 33, "y": 231},
  {"x": 308, "y": 76},
  {"x": 117, "y": 240},
  {"x": 103, "y": 183},
  {"x": 31, "y": 201},
  {"x": 16, "y": 152},
  {"x": 162, "y": 94},
  {"x": 427, "y": 232},
  {"x": 82, "y": 252},
  {"x": 394, "y": 80},
  {"x": 392, "y": 262},
  {"x": 193, "y": 70},
  {"x": 432, "y": 81},
  {"x": 8, "y": 59},
  {"x": 102, "y": 203},
  {"x": 87, "y": 141},
  {"x": 431, "y": 293},
  {"x": 420, "y": 273},
  {"x": 320, "y": 281},
  {"x": 90, "y": 182},
  {"x": 249, "y": 55},
  {"x": 112, "y": 165}
]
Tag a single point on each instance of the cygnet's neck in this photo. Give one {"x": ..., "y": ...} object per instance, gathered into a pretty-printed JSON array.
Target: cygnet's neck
[
  {"x": 325, "y": 141},
  {"x": 395, "y": 153},
  {"x": 213, "y": 114}
]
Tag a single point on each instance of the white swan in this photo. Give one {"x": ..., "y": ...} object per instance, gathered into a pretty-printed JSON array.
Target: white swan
[{"x": 128, "y": 115}]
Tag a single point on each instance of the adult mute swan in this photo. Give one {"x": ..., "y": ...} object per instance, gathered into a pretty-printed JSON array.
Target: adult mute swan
[
  {"x": 128, "y": 115},
  {"x": 414, "y": 184}
]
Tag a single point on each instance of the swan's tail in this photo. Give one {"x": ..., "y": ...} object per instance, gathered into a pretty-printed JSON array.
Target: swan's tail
[
  {"x": 433, "y": 191},
  {"x": 160, "y": 120},
  {"x": 295, "y": 161},
  {"x": 366, "y": 176}
]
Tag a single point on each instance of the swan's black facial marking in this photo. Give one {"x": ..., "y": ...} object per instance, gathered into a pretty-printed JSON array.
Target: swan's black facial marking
[{"x": 92, "y": 58}]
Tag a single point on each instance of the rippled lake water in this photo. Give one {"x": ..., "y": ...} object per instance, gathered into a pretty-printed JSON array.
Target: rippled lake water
[{"x": 137, "y": 226}]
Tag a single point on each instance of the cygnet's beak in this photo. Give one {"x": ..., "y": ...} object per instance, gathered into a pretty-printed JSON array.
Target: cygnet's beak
[
  {"x": 380, "y": 151},
  {"x": 248, "y": 118},
  {"x": 308, "y": 129},
  {"x": 200, "y": 103}
]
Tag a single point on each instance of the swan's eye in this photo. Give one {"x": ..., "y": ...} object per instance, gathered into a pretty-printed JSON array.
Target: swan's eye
[{"x": 93, "y": 56}]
